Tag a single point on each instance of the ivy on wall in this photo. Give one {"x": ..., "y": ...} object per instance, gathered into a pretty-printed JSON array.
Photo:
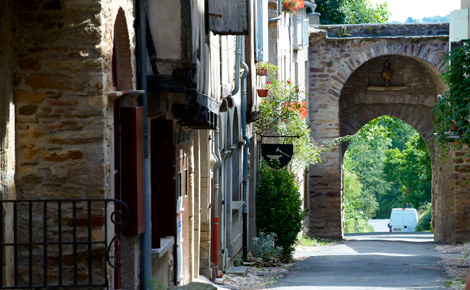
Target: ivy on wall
[{"x": 452, "y": 112}]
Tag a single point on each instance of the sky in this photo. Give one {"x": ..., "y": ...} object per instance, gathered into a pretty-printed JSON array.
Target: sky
[{"x": 417, "y": 9}]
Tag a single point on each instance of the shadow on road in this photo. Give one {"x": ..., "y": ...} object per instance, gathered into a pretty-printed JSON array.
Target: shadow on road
[
  {"x": 418, "y": 237},
  {"x": 369, "y": 261}
]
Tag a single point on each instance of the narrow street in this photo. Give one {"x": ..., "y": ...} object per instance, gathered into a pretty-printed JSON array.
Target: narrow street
[{"x": 369, "y": 261}]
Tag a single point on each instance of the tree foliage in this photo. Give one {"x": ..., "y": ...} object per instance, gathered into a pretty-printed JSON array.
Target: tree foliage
[
  {"x": 434, "y": 19},
  {"x": 358, "y": 207},
  {"x": 365, "y": 157},
  {"x": 425, "y": 218},
  {"x": 392, "y": 164},
  {"x": 411, "y": 169},
  {"x": 351, "y": 12}
]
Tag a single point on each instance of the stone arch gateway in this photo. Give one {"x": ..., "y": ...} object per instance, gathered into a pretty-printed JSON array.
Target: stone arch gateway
[{"x": 347, "y": 90}]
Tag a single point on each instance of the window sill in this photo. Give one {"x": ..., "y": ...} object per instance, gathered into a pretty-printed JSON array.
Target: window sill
[
  {"x": 166, "y": 245},
  {"x": 237, "y": 205}
]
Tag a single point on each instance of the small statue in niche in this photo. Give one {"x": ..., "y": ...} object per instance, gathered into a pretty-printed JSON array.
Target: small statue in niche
[{"x": 387, "y": 74}]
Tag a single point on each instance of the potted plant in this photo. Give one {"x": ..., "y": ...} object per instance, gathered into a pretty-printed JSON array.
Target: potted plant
[
  {"x": 262, "y": 93},
  {"x": 292, "y": 5},
  {"x": 265, "y": 68}
]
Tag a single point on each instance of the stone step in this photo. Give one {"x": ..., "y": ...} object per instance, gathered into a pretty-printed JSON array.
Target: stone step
[{"x": 240, "y": 271}]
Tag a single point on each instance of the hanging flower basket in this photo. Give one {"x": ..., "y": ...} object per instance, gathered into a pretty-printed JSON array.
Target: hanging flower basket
[
  {"x": 261, "y": 71},
  {"x": 262, "y": 93},
  {"x": 266, "y": 68}
]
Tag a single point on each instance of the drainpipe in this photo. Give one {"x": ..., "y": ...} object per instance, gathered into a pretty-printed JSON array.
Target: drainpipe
[
  {"x": 215, "y": 233},
  {"x": 245, "y": 153},
  {"x": 237, "y": 66},
  {"x": 146, "y": 254}
]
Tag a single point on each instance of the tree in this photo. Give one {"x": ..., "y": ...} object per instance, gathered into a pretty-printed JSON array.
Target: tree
[
  {"x": 392, "y": 163},
  {"x": 411, "y": 169},
  {"x": 411, "y": 20},
  {"x": 351, "y": 12},
  {"x": 358, "y": 207},
  {"x": 365, "y": 157},
  {"x": 331, "y": 11},
  {"x": 436, "y": 19}
]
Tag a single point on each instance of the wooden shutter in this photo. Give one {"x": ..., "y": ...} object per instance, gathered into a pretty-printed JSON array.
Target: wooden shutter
[
  {"x": 228, "y": 17},
  {"x": 162, "y": 181},
  {"x": 261, "y": 30},
  {"x": 132, "y": 168},
  {"x": 305, "y": 32},
  {"x": 458, "y": 25}
]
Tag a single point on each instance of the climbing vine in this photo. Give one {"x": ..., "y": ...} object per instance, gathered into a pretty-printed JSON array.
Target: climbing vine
[{"x": 452, "y": 112}]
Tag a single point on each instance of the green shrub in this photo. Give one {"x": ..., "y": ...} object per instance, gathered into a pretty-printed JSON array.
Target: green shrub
[
  {"x": 279, "y": 207},
  {"x": 424, "y": 219}
]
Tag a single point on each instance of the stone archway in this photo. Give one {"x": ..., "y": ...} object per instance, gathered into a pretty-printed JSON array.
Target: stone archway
[{"x": 347, "y": 91}]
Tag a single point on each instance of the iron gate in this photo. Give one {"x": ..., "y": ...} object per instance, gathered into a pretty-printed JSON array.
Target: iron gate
[{"x": 59, "y": 243}]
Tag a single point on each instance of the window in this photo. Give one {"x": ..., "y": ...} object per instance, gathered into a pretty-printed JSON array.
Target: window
[{"x": 300, "y": 26}]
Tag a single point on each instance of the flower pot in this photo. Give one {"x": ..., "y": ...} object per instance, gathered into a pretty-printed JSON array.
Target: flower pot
[
  {"x": 262, "y": 93},
  {"x": 261, "y": 71}
]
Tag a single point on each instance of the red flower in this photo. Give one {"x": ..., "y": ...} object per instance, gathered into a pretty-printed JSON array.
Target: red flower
[
  {"x": 288, "y": 82},
  {"x": 452, "y": 127},
  {"x": 301, "y": 107},
  {"x": 293, "y": 5}
]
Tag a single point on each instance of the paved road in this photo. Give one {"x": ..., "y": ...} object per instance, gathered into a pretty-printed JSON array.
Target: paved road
[
  {"x": 379, "y": 261},
  {"x": 380, "y": 225}
]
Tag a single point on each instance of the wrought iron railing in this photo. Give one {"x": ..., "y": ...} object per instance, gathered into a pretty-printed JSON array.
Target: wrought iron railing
[{"x": 59, "y": 243}]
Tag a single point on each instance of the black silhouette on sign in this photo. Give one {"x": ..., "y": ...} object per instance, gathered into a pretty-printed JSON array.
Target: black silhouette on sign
[{"x": 277, "y": 155}]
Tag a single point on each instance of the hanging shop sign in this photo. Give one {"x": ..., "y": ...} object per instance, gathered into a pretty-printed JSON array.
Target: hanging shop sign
[{"x": 277, "y": 155}]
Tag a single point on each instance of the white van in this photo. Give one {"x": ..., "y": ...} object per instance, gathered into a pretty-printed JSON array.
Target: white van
[{"x": 403, "y": 220}]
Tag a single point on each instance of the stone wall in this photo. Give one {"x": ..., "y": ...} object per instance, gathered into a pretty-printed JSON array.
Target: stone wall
[
  {"x": 64, "y": 120},
  {"x": 60, "y": 104},
  {"x": 346, "y": 92},
  {"x": 380, "y": 30},
  {"x": 451, "y": 197},
  {"x": 7, "y": 129}
]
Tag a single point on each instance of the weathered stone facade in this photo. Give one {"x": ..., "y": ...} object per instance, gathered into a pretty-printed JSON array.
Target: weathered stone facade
[
  {"x": 7, "y": 128},
  {"x": 57, "y": 59},
  {"x": 347, "y": 91}
]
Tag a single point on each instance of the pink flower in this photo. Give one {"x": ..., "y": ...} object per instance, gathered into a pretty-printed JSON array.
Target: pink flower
[
  {"x": 288, "y": 82},
  {"x": 268, "y": 82}
]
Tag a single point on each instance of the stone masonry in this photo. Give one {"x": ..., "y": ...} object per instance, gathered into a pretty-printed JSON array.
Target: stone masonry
[
  {"x": 347, "y": 91},
  {"x": 60, "y": 55}
]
